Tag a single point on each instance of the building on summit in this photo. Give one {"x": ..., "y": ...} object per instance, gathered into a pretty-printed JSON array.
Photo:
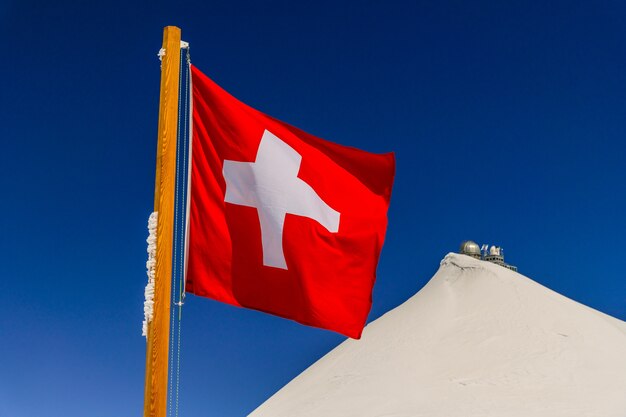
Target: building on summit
[
  {"x": 493, "y": 254},
  {"x": 470, "y": 248}
]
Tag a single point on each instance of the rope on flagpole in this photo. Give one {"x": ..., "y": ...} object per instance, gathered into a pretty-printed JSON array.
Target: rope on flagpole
[
  {"x": 175, "y": 251},
  {"x": 180, "y": 200},
  {"x": 182, "y": 228}
]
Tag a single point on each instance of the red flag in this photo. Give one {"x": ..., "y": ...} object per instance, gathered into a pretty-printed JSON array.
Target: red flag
[{"x": 279, "y": 220}]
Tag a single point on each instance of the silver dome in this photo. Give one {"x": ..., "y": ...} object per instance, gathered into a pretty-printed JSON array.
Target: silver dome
[{"x": 470, "y": 248}]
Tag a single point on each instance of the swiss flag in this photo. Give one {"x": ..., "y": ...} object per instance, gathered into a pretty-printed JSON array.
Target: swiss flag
[{"x": 279, "y": 220}]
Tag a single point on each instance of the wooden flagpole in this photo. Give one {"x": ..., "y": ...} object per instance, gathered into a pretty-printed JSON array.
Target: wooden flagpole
[{"x": 157, "y": 353}]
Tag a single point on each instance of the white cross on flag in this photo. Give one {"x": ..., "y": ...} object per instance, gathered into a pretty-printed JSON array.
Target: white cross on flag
[
  {"x": 281, "y": 221},
  {"x": 271, "y": 185}
]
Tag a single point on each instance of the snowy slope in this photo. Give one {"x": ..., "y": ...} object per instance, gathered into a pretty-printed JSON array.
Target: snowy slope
[{"x": 478, "y": 340}]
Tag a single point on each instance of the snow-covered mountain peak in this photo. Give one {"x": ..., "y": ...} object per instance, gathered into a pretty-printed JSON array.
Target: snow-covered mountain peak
[{"x": 477, "y": 340}]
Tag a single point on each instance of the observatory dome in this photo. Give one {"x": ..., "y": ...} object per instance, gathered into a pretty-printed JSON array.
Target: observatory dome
[{"x": 470, "y": 248}]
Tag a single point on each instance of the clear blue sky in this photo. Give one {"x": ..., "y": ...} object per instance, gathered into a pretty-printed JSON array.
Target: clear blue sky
[{"x": 508, "y": 120}]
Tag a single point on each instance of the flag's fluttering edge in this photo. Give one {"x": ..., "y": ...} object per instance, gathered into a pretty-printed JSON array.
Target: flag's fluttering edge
[{"x": 279, "y": 220}]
